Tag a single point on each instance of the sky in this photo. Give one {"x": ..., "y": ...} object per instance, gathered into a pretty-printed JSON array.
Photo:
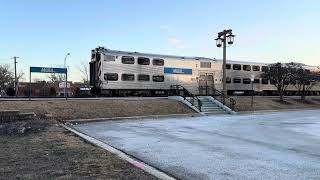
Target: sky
[{"x": 41, "y": 32}]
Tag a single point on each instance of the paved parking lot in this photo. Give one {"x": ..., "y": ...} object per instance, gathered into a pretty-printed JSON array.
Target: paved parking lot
[{"x": 282, "y": 145}]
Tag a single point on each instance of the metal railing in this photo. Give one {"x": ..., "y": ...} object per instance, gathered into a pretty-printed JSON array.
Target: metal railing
[
  {"x": 178, "y": 89},
  {"x": 225, "y": 99}
]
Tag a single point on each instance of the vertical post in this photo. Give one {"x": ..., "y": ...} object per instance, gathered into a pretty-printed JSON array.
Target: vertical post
[
  {"x": 15, "y": 76},
  {"x": 66, "y": 85},
  {"x": 252, "y": 94},
  {"x": 206, "y": 84},
  {"x": 224, "y": 91},
  {"x": 30, "y": 85}
]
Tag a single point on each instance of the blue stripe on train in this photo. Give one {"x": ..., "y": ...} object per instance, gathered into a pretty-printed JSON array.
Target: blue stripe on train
[{"x": 169, "y": 70}]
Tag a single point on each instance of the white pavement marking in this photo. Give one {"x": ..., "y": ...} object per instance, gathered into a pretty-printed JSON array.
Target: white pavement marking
[{"x": 133, "y": 161}]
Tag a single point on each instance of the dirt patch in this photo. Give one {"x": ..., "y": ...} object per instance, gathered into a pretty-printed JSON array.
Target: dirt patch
[
  {"x": 273, "y": 103},
  {"x": 22, "y": 128},
  {"x": 86, "y": 109},
  {"x": 54, "y": 153}
]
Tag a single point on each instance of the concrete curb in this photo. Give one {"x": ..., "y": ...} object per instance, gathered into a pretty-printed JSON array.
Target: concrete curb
[
  {"x": 131, "y": 118},
  {"x": 139, "y": 164},
  {"x": 280, "y": 110}
]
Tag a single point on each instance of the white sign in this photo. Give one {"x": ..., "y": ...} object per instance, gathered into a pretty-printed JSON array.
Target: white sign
[{"x": 63, "y": 85}]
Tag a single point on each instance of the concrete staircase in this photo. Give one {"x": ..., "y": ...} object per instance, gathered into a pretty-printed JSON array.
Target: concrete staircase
[{"x": 208, "y": 107}]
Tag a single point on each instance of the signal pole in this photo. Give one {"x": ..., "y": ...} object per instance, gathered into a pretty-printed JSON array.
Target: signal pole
[{"x": 15, "y": 75}]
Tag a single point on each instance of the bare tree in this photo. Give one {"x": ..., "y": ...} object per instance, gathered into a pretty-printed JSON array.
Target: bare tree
[
  {"x": 280, "y": 76},
  {"x": 6, "y": 76},
  {"x": 84, "y": 69},
  {"x": 56, "y": 77},
  {"x": 304, "y": 79}
]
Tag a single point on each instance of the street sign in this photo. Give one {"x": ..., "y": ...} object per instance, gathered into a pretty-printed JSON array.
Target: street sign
[{"x": 48, "y": 70}]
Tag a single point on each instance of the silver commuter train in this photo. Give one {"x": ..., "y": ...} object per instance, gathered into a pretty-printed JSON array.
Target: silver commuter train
[{"x": 120, "y": 73}]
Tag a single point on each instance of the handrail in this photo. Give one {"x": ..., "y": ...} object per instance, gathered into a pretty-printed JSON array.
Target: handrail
[
  {"x": 225, "y": 97},
  {"x": 188, "y": 94}
]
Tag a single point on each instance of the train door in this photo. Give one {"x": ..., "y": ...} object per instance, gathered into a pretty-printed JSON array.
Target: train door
[{"x": 206, "y": 83}]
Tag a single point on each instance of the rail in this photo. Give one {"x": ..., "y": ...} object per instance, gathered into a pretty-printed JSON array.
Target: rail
[
  {"x": 192, "y": 98},
  {"x": 225, "y": 99}
]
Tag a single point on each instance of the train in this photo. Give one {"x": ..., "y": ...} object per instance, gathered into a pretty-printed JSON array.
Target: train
[{"x": 122, "y": 73}]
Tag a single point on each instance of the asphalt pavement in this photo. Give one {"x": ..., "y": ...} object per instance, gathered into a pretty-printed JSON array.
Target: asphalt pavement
[{"x": 278, "y": 145}]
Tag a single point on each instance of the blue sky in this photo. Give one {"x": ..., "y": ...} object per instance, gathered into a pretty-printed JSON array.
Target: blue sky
[{"x": 41, "y": 32}]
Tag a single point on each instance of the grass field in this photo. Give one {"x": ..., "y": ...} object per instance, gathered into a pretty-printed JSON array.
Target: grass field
[
  {"x": 87, "y": 109},
  {"x": 48, "y": 151},
  {"x": 272, "y": 103}
]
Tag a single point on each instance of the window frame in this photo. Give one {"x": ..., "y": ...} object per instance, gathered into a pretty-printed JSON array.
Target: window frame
[
  {"x": 143, "y": 58},
  {"x": 236, "y": 65},
  {"x": 246, "y": 80},
  {"x": 106, "y": 77},
  {"x": 237, "y": 81},
  {"x": 255, "y": 68},
  {"x": 228, "y": 66},
  {"x": 125, "y": 74},
  {"x": 157, "y": 59},
  {"x": 131, "y": 57},
  {"x": 154, "y": 76},
  {"x": 141, "y": 80},
  {"x": 244, "y": 67}
]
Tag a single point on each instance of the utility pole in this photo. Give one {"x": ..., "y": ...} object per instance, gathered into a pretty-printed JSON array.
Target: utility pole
[
  {"x": 224, "y": 37},
  {"x": 15, "y": 75},
  {"x": 66, "y": 76}
]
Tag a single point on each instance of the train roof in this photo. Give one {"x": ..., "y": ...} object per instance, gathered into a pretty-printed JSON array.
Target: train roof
[{"x": 117, "y": 52}]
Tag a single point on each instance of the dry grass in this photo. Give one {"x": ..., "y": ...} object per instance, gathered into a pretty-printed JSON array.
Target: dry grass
[
  {"x": 273, "y": 103},
  {"x": 54, "y": 153},
  {"x": 85, "y": 109}
]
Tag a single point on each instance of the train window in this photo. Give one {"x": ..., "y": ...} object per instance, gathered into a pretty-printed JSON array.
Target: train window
[
  {"x": 236, "y": 80},
  {"x": 111, "y": 76},
  {"x": 158, "y": 62},
  {"x": 237, "y": 67},
  {"x": 143, "y": 61},
  {"x": 228, "y": 80},
  {"x": 264, "y": 81},
  {"x": 127, "y": 60},
  {"x": 205, "y": 64},
  {"x": 246, "y": 67},
  {"x": 209, "y": 77},
  {"x": 256, "y": 81},
  {"x": 264, "y": 68},
  {"x": 246, "y": 81},
  {"x": 256, "y": 68},
  {"x": 158, "y": 78},
  {"x": 143, "y": 77},
  {"x": 228, "y": 66},
  {"x": 109, "y": 58},
  {"x": 127, "y": 77}
]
